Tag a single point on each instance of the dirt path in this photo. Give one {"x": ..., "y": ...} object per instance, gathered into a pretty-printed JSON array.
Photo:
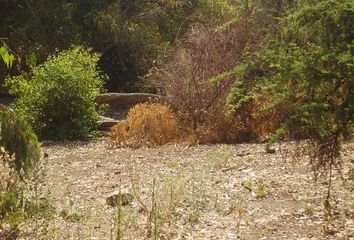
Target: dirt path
[{"x": 201, "y": 192}]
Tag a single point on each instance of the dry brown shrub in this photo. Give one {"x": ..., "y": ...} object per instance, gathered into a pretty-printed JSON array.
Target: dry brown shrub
[
  {"x": 184, "y": 79},
  {"x": 187, "y": 79},
  {"x": 147, "y": 124}
]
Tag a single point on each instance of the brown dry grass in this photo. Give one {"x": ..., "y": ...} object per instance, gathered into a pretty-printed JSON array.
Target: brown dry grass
[
  {"x": 147, "y": 124},
  {"x": 155, "y": 124}
]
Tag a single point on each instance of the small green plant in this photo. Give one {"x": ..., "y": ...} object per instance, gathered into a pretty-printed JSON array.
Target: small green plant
[
  {"x": 174, "y": 197},
  {"x": 11, "y": 209},
  {"x": 219, "y": 158},
  {"x": 269, "y": 149},
  {"x": 155, "y": 213},
  {"x": 258, "y": 189},
  {"x": 39, "y": 205},
  {"x": 261, "y": 190},
  {"x": 57, "y": 98},
  {"x": 308, "y": 210},
  {"x": 239, "y": 205},
  {"x": 71, "y": 216},
  {"x": 122, "y": 221},
  {"x": 196, "y": 198},
  {"x": 174, "y": 164},
  {"x": 248, "y": 185}
]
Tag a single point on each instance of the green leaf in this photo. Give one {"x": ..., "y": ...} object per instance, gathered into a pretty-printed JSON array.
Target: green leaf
[
  {"x": 6, "y": 59},
  {"x": 2, "y": 51},
  {"x": 11, "y": 59}
]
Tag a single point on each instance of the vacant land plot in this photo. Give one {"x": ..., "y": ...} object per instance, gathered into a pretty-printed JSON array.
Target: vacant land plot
[{"x": 200, "y": 192}]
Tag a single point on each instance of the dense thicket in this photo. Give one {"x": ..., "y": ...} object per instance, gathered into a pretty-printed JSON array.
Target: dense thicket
[
  {"x": 196, "y": 79},
  {"x": 283, "y": 68},
  {"x": 304, "y": 74},
  {"x": 283, "y": 65},
  {"x": 128, "y": 34}
]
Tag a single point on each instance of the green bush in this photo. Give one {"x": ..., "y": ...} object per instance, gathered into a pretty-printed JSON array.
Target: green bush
[
  {"x": 57, "y": 98},
  {"x": 305, "y": 70}
]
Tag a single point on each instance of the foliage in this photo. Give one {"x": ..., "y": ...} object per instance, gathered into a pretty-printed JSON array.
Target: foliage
[
  {"x": 196, "y": 80},
  {"x": 57, "y": 98},
  {"x": 147, "y": 125},
  {"x": 307, "y": 69},
  {"x": 16, "y": 137},
  {"x": 6, "y": 56},
  {"x": 19, "y": 140},
  {"x": 183, "y": 79},
  {"x": 19, "y": 153},
  {"x": 128, "y": 34}
]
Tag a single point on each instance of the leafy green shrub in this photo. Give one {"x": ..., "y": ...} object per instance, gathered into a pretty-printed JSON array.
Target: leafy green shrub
[
  {"x": 57, "y": 97},
  {"x": 307, "y": 69}
]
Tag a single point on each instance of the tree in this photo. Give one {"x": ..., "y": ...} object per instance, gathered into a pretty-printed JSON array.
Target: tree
[
  {"x": 130, "y": 35},
  {"x": 304, "y": 74}
]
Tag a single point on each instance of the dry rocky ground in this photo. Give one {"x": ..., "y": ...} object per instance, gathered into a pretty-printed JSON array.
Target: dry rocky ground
[{"x": 199, "y": 192}]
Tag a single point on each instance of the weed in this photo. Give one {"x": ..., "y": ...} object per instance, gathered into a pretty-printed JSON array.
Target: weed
[
  {"x": 258, "y": 189},
  {"x": 175, "y": 197},
  {"x": 71, "y": 215},
  {"x": 123, "y": 198},
  {"x": 24, "y": 202},
  {"x": 118, "y": 220},
  {"x": 269, "y": 149},
  {"x": 261, "y": 190},
  {"x": 218, "y": 159},
  {"x": 308, "y": 210},
  {"x": 197, "y": 199},
  {"x": 248, "y": 185},
  {"x": 124, "y": 217},
  {"x": 173, "y": 164},
  {"x": 154, "y": 212},
  {"x": 239, "y": 209}
]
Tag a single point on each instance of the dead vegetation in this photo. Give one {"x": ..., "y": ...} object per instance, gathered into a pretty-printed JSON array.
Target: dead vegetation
[
  {"x": 189, "y": 81},
  {"x": 148, "y": 125},
  {"x": 195, "y": 85},
  {"x": 184, "y": 80},
  {"x": 155, "y": 124}
]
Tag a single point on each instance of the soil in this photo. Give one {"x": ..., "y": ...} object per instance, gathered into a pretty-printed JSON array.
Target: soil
[{"x": 199, "y": 192}]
